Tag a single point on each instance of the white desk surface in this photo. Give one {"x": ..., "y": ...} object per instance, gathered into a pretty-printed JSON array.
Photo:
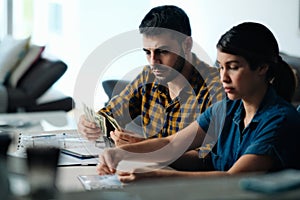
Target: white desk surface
[
  {"x": 67, "y": 180},
  {"x": 37, "y": 121}
]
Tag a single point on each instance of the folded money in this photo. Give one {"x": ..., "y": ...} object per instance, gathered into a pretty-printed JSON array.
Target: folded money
[
  {"x": 98, "y": 119},
  {"x": 112, "y": 121}
]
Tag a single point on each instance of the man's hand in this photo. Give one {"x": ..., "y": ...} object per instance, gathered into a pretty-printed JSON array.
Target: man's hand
[
  {"x": 88, "y": 129},
  {"x": 125, "y": 137}
]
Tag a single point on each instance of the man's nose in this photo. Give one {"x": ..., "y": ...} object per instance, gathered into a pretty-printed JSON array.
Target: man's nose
[{"x": 154, "y": 59}]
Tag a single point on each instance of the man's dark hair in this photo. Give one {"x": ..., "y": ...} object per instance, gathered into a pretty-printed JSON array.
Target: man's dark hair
[{"x": 165, "y": 17}]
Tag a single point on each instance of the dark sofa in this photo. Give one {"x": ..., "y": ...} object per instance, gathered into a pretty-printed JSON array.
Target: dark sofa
[{"x": 33, "y": 84}]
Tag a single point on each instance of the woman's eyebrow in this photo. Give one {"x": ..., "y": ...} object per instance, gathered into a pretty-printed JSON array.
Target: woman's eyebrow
[{"x": 229, "y": 62}]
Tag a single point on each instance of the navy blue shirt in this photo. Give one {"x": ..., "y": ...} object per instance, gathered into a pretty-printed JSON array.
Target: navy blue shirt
[{"x": 273, "y": 131}]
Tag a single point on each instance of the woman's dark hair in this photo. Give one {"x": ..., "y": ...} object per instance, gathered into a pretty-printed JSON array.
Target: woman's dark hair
[
  {"x": 257, "y": 44},
  {"x": 165, "y": 17}
]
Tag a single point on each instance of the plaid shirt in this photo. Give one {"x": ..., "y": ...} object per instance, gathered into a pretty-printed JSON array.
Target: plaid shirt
[{"x": 160, "y": 115}]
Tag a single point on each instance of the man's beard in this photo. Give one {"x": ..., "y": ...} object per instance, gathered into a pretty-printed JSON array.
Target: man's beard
[{"x": 175, "y": 70}]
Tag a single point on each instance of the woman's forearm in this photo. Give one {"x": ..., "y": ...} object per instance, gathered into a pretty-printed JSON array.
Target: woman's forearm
[
  {"x": 164, "y": 150},
  {"x": 188, "y": 174}
]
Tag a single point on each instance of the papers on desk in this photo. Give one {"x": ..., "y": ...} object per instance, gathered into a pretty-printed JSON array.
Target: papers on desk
[
  {"x": 97, "y": 182},
  {"x": 80, "y": 151}
]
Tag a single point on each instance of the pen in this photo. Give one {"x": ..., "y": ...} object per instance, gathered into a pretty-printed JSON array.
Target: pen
[{"x": 43, "y": 136}]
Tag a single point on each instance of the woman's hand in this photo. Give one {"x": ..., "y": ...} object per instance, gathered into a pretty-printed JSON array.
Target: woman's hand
[
  {"x": 136, "y": 175},
  {"x": 109, "y": 160}
]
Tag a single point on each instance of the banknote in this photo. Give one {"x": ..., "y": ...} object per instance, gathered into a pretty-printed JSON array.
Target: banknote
[
  {"x": 112, "y": 121},
  {"x": 98, "y": 119}
]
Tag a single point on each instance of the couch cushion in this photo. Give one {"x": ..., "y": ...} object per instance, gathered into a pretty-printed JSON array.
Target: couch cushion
[
  {"x": 11, "y": 52},
  {"x": 3, "y": 99},
  {"x": 41, "y": 76},
  {"x": 31, "y": 56}
]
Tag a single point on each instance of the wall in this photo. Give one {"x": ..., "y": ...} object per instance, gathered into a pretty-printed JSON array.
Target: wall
[
  {"x": 211, "y": 18},
  {"x": 83, "y": 26},
  {"x": 99, "y": 22},
  {"x": 87, "y": 24}
]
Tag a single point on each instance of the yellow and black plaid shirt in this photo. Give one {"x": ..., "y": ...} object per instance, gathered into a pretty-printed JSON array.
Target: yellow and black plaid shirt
[{"x": 160, "y": 115}]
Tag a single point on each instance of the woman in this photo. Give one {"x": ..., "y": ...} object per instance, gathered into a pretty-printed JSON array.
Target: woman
[{"x": 259, "y": 131}]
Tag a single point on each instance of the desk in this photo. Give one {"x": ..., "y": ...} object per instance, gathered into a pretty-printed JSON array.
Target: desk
[
  {"x": 206, "y": 188},
  {"x": 182, "y": 189},
  {"x": 37, "y": 121},
  {"x": 67, "y": 180},
  {"x": 69, "y": 187}
]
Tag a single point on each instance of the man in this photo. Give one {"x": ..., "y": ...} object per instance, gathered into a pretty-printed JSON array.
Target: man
[{"x": 171, "y": 91}]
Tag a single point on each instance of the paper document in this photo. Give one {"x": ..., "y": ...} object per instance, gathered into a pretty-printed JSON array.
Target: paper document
[
  {"x": 69, "y": 143},
  {"x": 97, "y": 182}
]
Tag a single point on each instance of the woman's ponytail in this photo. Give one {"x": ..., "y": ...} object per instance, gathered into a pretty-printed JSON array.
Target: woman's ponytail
[{"x": 284, "y": 81}]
